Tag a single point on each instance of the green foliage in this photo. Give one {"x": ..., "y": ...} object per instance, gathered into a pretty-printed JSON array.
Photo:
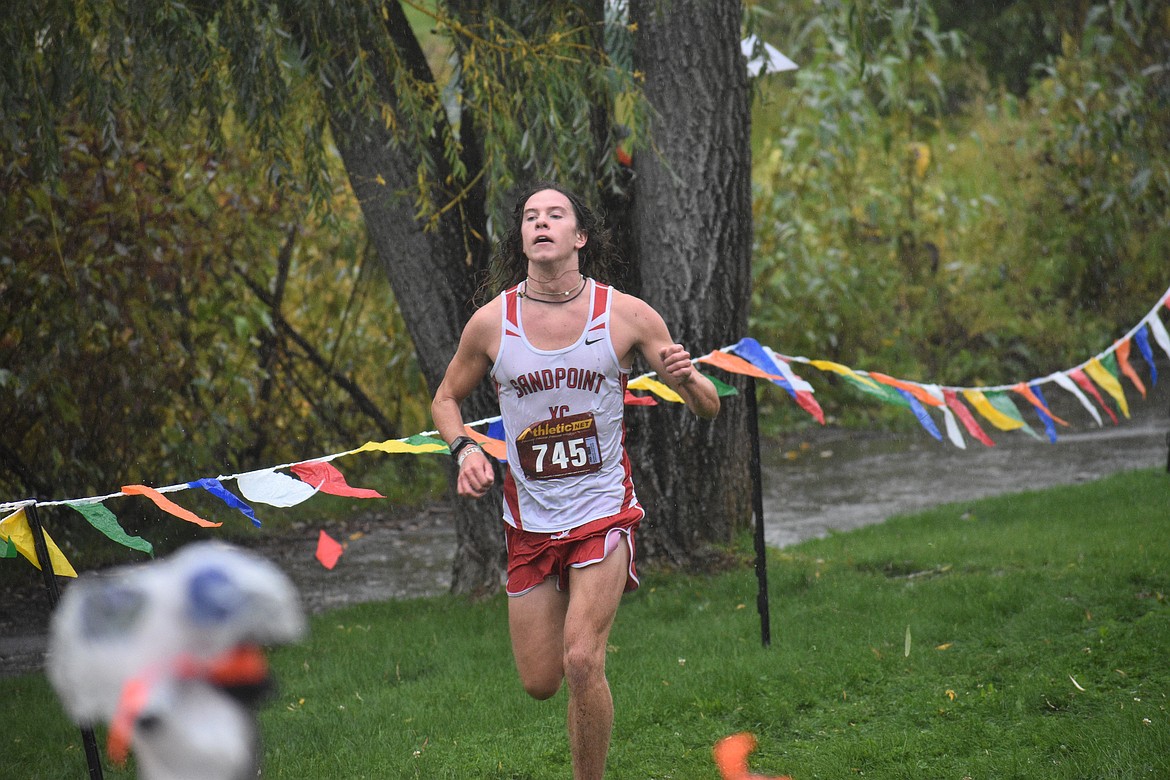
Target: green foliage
[
  {"x": 913, "y": 220},
  {"x": 1105, "y": 104},
  {"x": 166, "y": 319},
  {"x": 504, "y": 92},
  {"x": 1020, "y": 636},
  {"x": 534, "y": 83}
]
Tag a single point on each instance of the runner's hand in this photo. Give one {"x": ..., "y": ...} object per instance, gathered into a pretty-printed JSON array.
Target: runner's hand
[
  {"x": 677, "y": 362},
  {"x": 475, "y": 475}
]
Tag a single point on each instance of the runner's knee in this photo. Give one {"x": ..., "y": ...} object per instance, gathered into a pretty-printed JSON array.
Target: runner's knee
[
  {"x": 584, "y": 663},
  {"x": 541, "y": 688}
]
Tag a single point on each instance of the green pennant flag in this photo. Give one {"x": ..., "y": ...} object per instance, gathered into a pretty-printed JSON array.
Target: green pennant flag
[
  {"x": 722, "y": 388},
  {"x": 418, "y": 440},
  {"x": 103, "y": 520},
  {"x": 1004, "y": 405},
  {"x": 1110, "y": 363},
  {"x": 883, "y": 392},
  {"x": 10, "y": 550}
]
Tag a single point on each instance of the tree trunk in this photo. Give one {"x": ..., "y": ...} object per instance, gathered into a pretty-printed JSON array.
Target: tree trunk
[
  {"x": 692, "y": 224},
  {"x": 434, "y": 275}
]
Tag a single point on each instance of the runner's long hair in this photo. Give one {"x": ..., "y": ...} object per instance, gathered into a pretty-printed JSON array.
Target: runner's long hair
[{"x": 509, "y": 265}]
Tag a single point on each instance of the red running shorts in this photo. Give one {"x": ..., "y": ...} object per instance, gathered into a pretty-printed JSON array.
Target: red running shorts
[{"x": 536, "y": 557}]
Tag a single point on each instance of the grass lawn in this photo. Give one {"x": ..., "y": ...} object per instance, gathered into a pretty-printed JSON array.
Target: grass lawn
[{"x": 1024, "y": 636}]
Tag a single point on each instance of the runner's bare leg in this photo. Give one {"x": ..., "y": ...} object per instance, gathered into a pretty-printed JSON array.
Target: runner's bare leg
[
  {"x": 594, "y": 594},
  {"x": 536, "y": 622}
]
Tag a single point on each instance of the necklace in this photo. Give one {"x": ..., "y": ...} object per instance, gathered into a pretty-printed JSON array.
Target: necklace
[{"x": 567, "y": 295}]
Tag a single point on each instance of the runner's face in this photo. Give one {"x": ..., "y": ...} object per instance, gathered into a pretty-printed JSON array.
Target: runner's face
[{"x": 549, "y": 228}]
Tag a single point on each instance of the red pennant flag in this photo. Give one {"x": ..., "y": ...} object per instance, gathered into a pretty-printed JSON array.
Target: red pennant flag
[
  {"x": 328, "y": 550},
  {"x": 965, "y": 417},
  {"x": 331, "y": 481},
  {"x": 1086, "y": 384},
  {"x": 639, "y": 400}
]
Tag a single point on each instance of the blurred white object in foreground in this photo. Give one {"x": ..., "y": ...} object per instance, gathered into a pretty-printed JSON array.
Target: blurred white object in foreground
[{"x": 168, "y": 654}]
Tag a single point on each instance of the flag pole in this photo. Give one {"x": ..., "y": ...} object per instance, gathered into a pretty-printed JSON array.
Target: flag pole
[
  {"x": 758, "y": 511},
  {"x": 88, "y": 740}
]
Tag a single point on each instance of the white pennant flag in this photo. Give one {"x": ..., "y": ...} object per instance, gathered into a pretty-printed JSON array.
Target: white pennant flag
[
  {"x": 1160, "y": 334},
  {"x": 1071, "y": 386},
  {"x": 953, "y": 432},
  {"x": 271, "y": 487}
]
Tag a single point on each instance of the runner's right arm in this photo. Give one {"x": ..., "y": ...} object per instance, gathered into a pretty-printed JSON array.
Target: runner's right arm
[{"x": 467, "y": 368}]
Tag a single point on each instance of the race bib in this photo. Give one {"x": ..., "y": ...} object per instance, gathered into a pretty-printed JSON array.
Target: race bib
[{"x": 560, "y": 447}]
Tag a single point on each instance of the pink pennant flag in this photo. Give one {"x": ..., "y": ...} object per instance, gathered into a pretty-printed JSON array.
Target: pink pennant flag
[
  {"x": 965, "y": 417},
  {"x": 328, "y": 550},
  {"x": 167, "y": 505},
  {"x": 1087, "y": 385},
  {"x": 330, "y": 480}
]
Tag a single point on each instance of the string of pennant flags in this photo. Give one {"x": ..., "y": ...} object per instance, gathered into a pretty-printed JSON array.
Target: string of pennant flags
[{"x": 959, "y": 408}]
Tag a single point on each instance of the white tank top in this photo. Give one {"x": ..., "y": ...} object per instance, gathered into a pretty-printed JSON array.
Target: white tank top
[{"x": 564, "y": 423}]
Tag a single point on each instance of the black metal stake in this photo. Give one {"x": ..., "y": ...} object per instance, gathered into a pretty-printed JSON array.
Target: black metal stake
[
  {"x": 758, "y": 511},
  {"x": 88, "y": 740}
]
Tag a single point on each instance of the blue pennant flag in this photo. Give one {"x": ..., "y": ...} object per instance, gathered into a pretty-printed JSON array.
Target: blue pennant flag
[
  {"x": 921, "y": 413},
  {"x": 215, "y": 488},
  {"x": 495, "y": 430},
  {"x": 1142, "y": 337},
  {"x": 1049, "y": 424},
  {"x": 750, "y": 350}
]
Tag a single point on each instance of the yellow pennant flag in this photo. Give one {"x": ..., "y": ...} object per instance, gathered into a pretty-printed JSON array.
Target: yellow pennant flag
[
  {"x": 846, "y": 371},
  {"x": 997, "y": 418},
  {"x": 15, "y": 529},
  {"x": 398, "y": 446},
  {"x": 1108, "y": 383},
  {"x": 656, "y": 387}
]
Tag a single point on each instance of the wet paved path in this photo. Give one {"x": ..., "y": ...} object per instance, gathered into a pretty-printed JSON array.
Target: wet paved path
[{"x": 838, "y": 481}]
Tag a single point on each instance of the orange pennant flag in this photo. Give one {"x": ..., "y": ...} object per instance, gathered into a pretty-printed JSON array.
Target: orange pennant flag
[
  {"x": 913, "y": 388},
  {"x": 1122, "y": 353},
  {"x": 735, "y": 365},
  {"x": 731, "y": 756},
  {"x": 1023, "y": 389},
  {"x": 167, "y": 505},
  {"x": 494, "y": 447}
]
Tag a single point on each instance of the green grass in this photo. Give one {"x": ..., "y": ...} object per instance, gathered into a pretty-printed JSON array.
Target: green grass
[{"x": 1022, "y": 636}]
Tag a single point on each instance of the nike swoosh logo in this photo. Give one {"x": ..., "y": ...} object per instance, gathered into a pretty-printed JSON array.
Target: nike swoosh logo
[{"x": 594, "y": 341}]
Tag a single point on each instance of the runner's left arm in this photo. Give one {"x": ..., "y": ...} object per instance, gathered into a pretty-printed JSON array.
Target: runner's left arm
[{"x": 670, "y": 360}]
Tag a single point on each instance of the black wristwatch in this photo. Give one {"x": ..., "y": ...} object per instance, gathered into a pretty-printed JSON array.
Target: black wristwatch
[{"x": 459, "y": 443}]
